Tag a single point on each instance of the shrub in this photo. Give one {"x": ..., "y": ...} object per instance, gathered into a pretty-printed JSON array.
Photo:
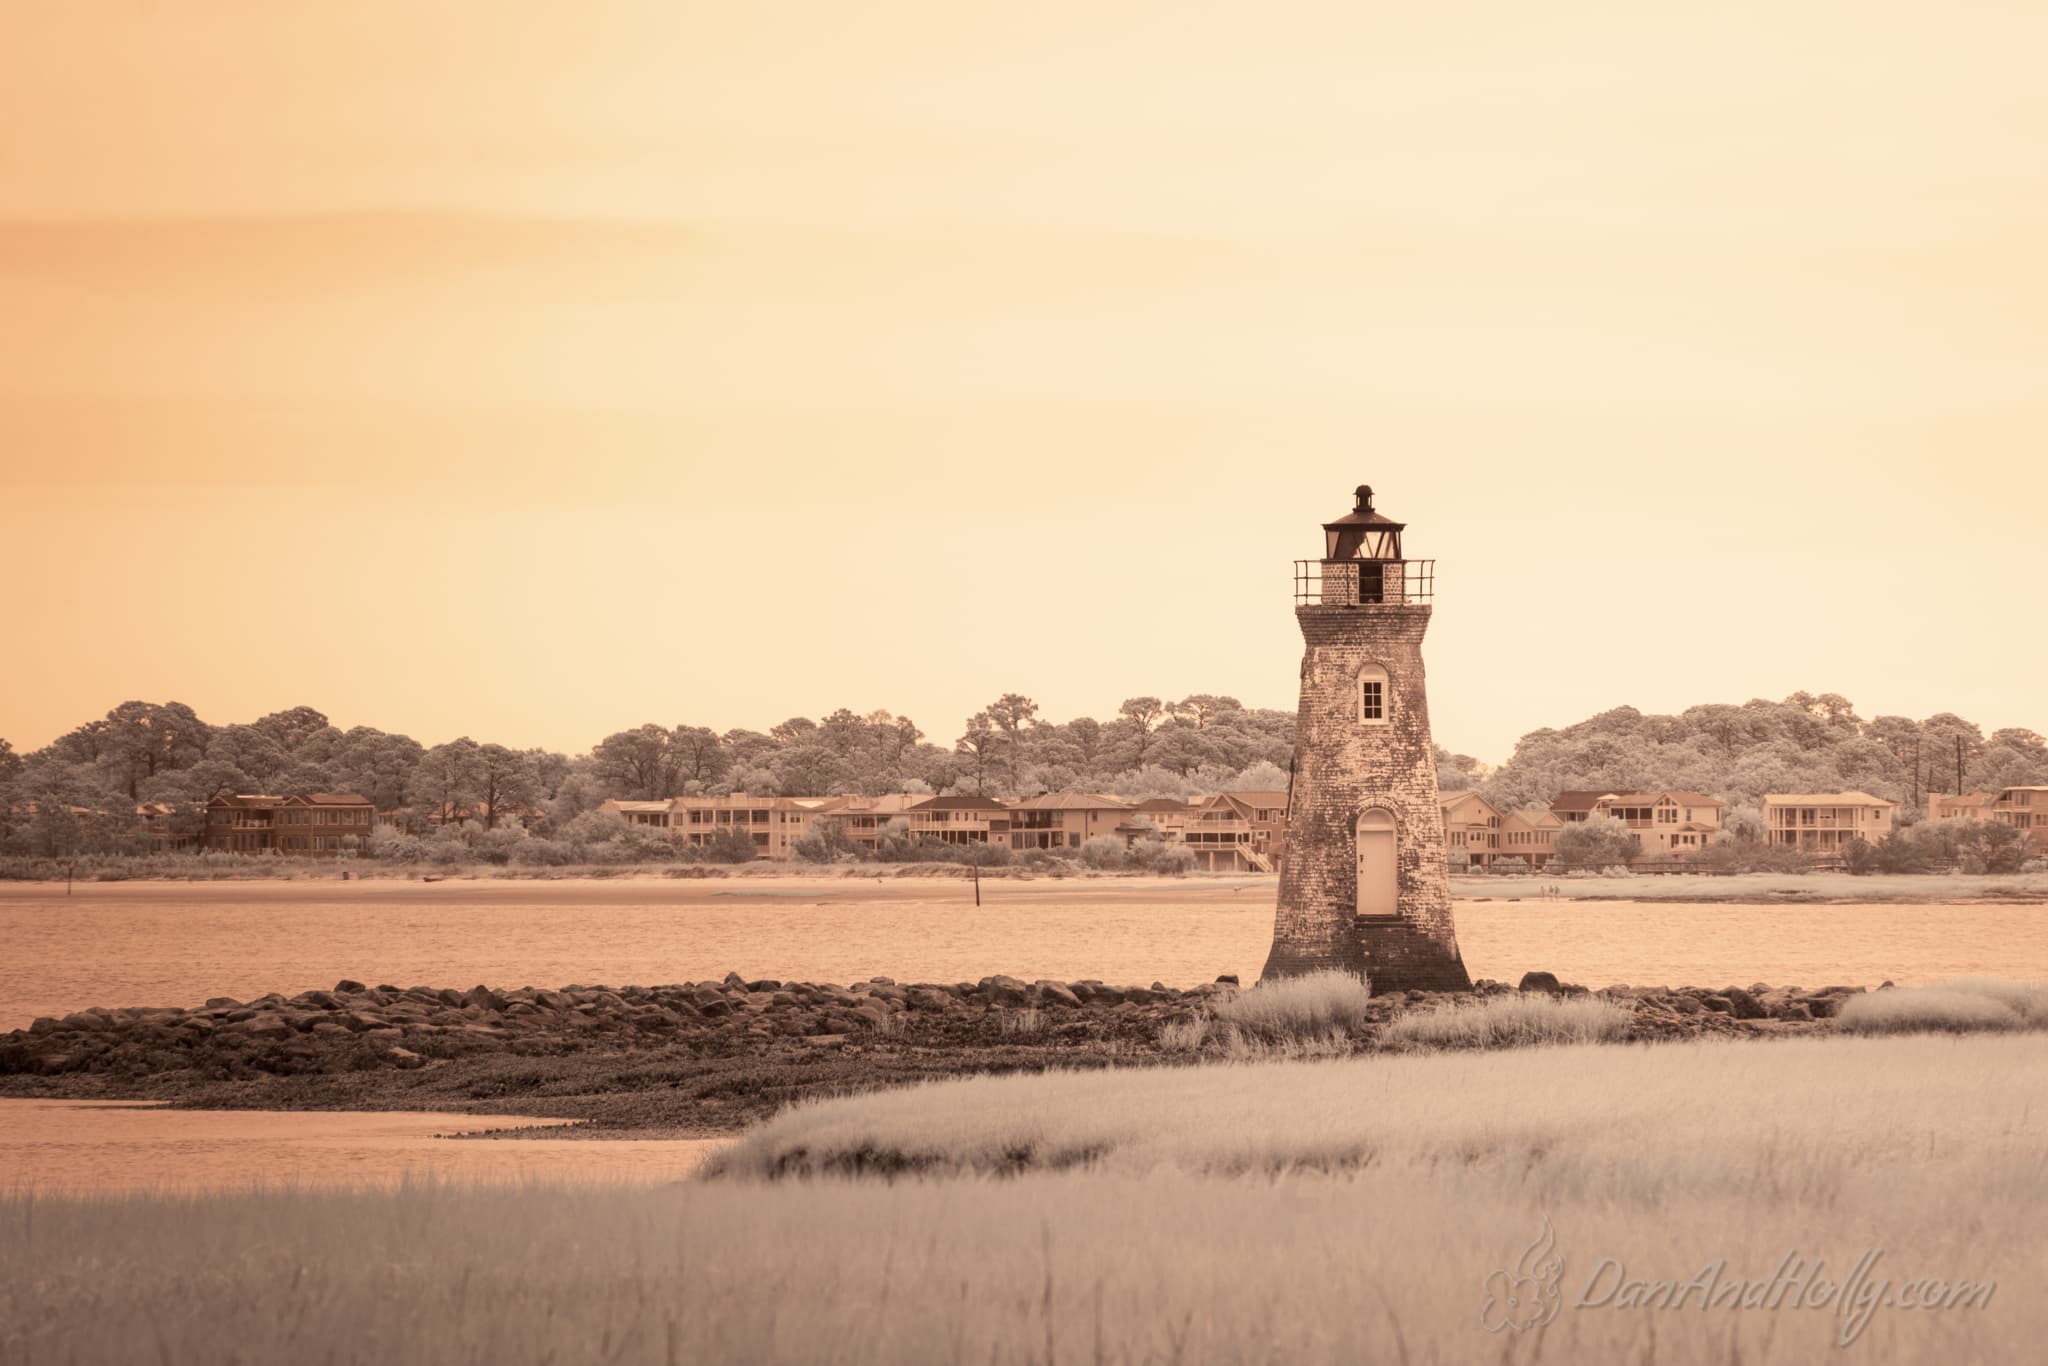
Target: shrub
[
  {"x": 826, "y": 843},
  {"x": 1298, "y": 1009},
  {"x": 1158, "y": 856},
  {"x": 1104, "y": 851},
  {"x": 727, "y": 844},
  {"x": 1514, "y": 865},
  {"x": 1516, "y": 1021},
  {"x": 1964, "y": 1006},
  {"x": 1595, "y": 843}
]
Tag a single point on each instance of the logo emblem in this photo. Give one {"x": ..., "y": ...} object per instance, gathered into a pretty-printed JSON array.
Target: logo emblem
[{"x": 1530, "y": 1296}]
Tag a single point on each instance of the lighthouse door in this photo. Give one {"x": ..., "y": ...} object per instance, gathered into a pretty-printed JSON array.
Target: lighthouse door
[{"x": 1378, "y": 892}]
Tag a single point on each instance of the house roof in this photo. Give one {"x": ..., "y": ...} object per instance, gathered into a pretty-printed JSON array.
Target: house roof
[
  {"x": 965, "y": 802},
  {"x": 1535, "y": 815},
  {"x": 1825, "y": 799},
  {"x": 1160, "y": 804},
  {"x": 1259, "y": 798},
  {"x": 616, "y": 804},
  {"x": 1576, "y": 799},
  {"x": 333, "y": 799},
  {"x": 1451, "y": 799},
  {"x": 1072, "y": 801},
  {"x": 1967, "y": 798}
]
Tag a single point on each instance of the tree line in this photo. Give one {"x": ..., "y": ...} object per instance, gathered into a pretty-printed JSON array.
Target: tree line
[
  {"x": 162, "y": 752},
  {"x": 83, "y": 788}
]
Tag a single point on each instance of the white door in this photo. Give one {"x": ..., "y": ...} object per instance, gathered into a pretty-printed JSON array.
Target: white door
[{"x": 1378, "y": 887}]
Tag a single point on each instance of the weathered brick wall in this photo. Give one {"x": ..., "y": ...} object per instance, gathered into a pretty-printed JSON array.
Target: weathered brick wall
[{"x": 1343, "y": 766}]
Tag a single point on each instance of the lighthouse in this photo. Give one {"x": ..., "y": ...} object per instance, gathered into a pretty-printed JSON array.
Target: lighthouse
[{"x": 1364, "y": 887}]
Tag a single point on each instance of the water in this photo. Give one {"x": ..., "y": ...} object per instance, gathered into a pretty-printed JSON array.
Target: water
[
  {"x": 180, "y": 943},
  {"x": 58, "y": 1146}
]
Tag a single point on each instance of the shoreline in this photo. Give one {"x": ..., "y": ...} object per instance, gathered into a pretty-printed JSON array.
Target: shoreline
[
  {"x": 703, "y": 1059},
  {"x": 1715, "y": 889}
]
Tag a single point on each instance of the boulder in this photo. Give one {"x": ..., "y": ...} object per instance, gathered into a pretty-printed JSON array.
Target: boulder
[
  {"x": 404, "y": 1058},
  {"x": 1057, "y": 993},
  {"x": 1541, "y": 981},
  {"x": 1742, "y": 1005},
  {"x": 1006, "y": 991},
  {"x": 348, "y": 986}
]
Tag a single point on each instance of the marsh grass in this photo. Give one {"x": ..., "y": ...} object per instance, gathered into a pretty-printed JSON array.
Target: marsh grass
[
  {"x": 1965, "y": 1005},
  {"x": 1301, "y": 1213},
  {"x": 1030, "y": 1020},
  {"x": 1296, "y": 1009},
  {"x": 1520, "y": 1020}
]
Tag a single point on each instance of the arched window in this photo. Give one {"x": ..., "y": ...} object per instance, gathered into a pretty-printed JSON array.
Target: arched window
[{"x": 1373, "y": 696}]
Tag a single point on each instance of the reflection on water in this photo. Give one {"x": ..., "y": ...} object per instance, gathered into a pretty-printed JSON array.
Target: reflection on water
[
  {"x": 177, "y": 944},
  {"x": 72, "y": 1146}
]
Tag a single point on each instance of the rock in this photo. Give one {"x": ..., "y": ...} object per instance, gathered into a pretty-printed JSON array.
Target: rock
[
  {"x": 929, "y": 998},
  {"x": 267, "y": 1026},
  {"x": 1743, "y": 1006},
  {"x": 765, "y": 984},
  {"x": 1057, "y": 993},
  {"x": 43, "y": 1024},
  {"x": 1006, "y": 991},
  {"x": 733, "y": 979},
  {"x": 1719, "y": 1004},
  {"x": 1541, "y": 981},
  {"x": 404, "y": 1058},
  {"x": 222, "y": 1003},
  {"x": 348, "y": 986},
  {"x": 1686, "y": 1005},
  {"x": 1228, "y": 979}
]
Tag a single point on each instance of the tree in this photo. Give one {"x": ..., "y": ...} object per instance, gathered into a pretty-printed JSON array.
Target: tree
[
  {"x": 978, "y": 746},
  {"x": 1595, "y": 843},
  {"x": 642, "y": 764},
  {"x": 10, "y": 762},
  {"x": 504, "y": 781},
  {"x": 1202, "y": 708},
  {"x": 700, "y": 756},
  {"x": 1144, "y": 715},
  {"x": 450, "y": 778},
  {"x": 1010, "y": 714}
]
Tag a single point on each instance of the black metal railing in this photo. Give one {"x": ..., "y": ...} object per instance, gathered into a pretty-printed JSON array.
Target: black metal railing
[{"x": 1363, "y": 583}]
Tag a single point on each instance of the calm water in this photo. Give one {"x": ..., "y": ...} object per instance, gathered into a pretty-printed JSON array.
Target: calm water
[
  {"x": 177, "y": 944},
  {"x": 60, "y": 1146}
]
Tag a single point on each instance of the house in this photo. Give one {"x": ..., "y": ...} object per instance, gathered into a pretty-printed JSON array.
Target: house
[
  {"x": 313, "y": 825},
  {"x": 1067, "y": 820},
  {"x": 1242, "y": 831},
  {"x": 772, "y": 824},
  {"x": 1823, "y": 822},
  {"x": 2025, "y": 809},
  {"x": 650, "y": 814},
  {"x": 1472, "y": 823},
  {"x": 1962, "y": 806},
  {"x": 1678, "y": 823},
  {"x": 862, "y": 819},
  {"x": 1530, "y": 834},
  {"x": 1165, "y": 815},
  {"x": 965, "y": 819},
  {"x": 1575, "y": 805}
]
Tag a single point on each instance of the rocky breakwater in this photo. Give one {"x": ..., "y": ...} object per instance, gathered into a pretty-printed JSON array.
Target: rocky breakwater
[
  {"x": 1688, "y": 1012},
  {"x": 357, "y": 1028}
]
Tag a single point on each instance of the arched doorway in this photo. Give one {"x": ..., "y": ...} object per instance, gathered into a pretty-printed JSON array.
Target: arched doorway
[{"x": 1378, "y": 882}]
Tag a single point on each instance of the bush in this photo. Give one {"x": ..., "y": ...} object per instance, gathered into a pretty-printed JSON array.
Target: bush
[
  {"x": 1298, "y": 1009},
  {"x": 1964, "y": 1006},
  {"x": 1595, "y": 843},
  {"x": 1521, "y": 1020},
  {"x": 826, "y": 843},
  {"x": 727, "y": 844},
  {"x": 1158, "y": 856},
  {"x": 1514, "y": 865},
  {"x": 1104, "y": 851}
]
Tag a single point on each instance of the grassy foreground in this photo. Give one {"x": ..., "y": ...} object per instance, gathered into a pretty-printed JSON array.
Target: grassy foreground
[{"x": 1345, "y": 1211}]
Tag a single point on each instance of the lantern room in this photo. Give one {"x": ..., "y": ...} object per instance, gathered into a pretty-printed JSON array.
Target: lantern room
[
  {"x": 1363, "y": 564},
  {"x": 1363, "y": 534}
]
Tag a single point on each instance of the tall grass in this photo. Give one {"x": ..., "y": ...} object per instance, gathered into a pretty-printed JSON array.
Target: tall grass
[
  {"x": 1296, "y": 1009},
  {"x": 1965, "y": 1005},
  {"x": 1511, "y": 1022},
  {"x": 1414, "y": 1179}
]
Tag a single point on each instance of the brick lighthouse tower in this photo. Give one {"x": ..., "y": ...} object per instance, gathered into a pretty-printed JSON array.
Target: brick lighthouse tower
[{"x": 1364, "y": 887}]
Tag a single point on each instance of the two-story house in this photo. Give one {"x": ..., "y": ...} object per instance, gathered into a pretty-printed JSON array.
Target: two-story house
[
  {"x": 311, "y": 825},
  {"x": 1241, "y": 831},
  {"x": 1823, "y": 822},
  {"x": 1473, "y": 824}
]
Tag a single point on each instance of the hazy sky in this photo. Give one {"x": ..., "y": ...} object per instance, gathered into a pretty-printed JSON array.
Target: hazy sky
[{"x": 531, "y": 371}]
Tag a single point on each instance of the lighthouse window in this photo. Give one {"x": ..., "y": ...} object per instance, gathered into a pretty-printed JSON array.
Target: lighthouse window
[{"x": 1372, "y": 696}]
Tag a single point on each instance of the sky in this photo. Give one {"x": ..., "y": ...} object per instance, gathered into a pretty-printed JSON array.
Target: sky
[{"x": 531, "y": 371}]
